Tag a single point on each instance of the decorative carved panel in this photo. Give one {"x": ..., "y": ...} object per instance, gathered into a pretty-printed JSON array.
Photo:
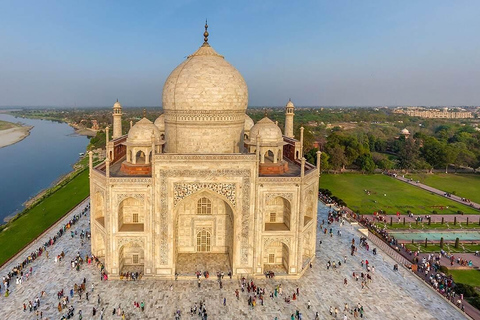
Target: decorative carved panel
[
  {"x": 131, "y": 242},
  {"x": 123, "y": 196},
  {"x": 288, "y": 196},
  {"x": 182, "y": 190},
  {"x": 130, "y": 180},
  {"x": 284, "y": 240}
]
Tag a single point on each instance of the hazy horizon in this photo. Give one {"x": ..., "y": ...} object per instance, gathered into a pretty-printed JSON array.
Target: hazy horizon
[{"x": 318, "y": 53}]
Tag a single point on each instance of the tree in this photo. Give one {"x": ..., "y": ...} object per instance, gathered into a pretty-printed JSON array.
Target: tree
[
  {"x": 382, "y": 161},
  {"x": 338, "y": 160},
  {"x": 434, "y": 152},
  {"x": 324, "y": 161},
  {"x": 311, "y": 156},
  {"x": 408, "y": 154},
  {"x": 450, "y": 156},
  {"x": 366, "y": 163}
]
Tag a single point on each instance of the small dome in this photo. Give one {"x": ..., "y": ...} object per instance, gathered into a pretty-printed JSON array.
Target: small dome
[
  {"x": 290, "y": 104},
  {"x": 117, "y": 105},
  {"x": 141, "y": 133},
  {"x": 405, "y": 131},
  {"x": 248, "y": 123},
  {"x": 160, "y": 122},
  {"x": 268, "y": 131}
]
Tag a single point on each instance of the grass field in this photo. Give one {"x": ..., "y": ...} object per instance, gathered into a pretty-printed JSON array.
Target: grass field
[
  {"x": 387, "y": 194},
  {"x": 462, "y": 185},
  {"x": 471, "y": 277},
  {"x": 28, "y": 226}
]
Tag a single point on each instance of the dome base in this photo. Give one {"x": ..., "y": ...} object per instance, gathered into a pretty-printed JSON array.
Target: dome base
[
  {"x": 273, "y": 168},
  {"x": 136, "y": 169}
]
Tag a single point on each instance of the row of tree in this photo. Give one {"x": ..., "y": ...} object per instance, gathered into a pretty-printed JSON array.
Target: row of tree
[{"x": 448, "y": 145}]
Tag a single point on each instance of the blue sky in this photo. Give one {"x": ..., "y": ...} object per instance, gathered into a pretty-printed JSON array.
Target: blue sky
[{"x": 319, "y": 53}]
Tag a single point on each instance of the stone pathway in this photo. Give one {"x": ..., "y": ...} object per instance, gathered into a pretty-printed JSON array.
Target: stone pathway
[{"x": 391, "y": 295}]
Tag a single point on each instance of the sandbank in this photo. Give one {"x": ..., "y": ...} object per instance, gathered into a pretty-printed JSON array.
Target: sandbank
[{"x": 13, "y": 135}]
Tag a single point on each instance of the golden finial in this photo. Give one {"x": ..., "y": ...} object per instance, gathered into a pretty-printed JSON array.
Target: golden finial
[
  {"x": 205, "y": 34},
  {"x": 144, "y": 112}
]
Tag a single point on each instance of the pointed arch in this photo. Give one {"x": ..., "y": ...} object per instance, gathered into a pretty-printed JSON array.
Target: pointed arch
[
  {"x": 278, "y": 214},
  {"x": 131, "y": 215},
  {"x": 276, "y": 255},
  {"x": 99, "y": 207},
  {"x": 131, "y": 258}
]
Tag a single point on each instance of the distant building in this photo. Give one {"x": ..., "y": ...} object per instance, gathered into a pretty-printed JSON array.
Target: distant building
[
  {"x": 444, "y": 113},
  {"x": 405, "y": 133},
  {"x": 95, "y": 125}
]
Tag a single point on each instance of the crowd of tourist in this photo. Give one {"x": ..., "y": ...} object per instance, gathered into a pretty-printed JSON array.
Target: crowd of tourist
[
  {"x": 21, "y": 272},
  {"x": 326, "y": 199},
  {"x": 428, "y": 266}
]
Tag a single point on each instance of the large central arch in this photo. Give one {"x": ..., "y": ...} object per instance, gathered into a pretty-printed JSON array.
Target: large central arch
[{"x": 203, "y": 234}]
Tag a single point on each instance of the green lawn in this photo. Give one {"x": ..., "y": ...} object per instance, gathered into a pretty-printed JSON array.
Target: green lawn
[
  {"x": 28, "y": 226},
  {"x": 471, "y": 277},
  {"x": 462, "y": 185},
  {"x": 387, "y": 194}
]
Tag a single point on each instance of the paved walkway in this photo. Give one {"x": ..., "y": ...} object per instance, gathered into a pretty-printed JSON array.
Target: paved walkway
[
  {"x": 473, "y": 219},
  {"x": 391, "y": 295}
]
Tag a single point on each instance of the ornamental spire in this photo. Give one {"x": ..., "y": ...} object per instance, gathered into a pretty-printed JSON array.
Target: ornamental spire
[{"x": 205, "y": 34}]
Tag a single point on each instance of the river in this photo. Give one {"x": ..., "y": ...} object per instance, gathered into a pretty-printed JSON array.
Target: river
[{"x": 36, "y": 162}]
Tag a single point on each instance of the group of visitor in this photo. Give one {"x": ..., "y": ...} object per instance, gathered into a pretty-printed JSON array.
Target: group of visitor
[{"x": 20, "y": 272}]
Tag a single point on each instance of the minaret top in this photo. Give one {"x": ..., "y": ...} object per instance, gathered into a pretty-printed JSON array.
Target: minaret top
[
  {"x": 205, "y": 34},
  {"x": 290, "y": 104},
  {"x": 117, "y": 105}
]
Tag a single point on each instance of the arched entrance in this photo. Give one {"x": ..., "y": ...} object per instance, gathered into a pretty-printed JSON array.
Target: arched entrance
[
  {"x": 277, "y": 214},
  {"x": 204, "y": 232},
  {"x": 131, "y": 258},
  {"x": 99, "y": 206},
  {"x": 99, "y": 246},
  {"x": 131, "y": 215},
  {"x": 276, "y": 257}
]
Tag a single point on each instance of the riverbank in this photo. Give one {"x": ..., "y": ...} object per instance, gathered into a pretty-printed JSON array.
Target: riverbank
[
  {"x": 30, "y": 223},
  {"x": 12, "y": 133},
  {"x": 83, "y": 131},
  {"x": 79, "y": 166}
]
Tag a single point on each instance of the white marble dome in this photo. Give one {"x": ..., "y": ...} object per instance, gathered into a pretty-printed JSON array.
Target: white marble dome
[
  {"x": 205, "y": 81},
  {"x": 160, "y": 122},
  {"x": 268, "y": 131},
  {"x": 141, "y": 133},
  {"x": 248, "y": 123},
  {"x": 405, "y": 131},
  {"x": 204, "y": 102}
]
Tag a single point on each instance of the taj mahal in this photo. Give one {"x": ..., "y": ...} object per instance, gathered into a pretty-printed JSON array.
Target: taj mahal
[{"x": 204, "y": 187}]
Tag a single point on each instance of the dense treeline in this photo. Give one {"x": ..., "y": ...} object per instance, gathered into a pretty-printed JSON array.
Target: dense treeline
[
  {"x": 363, "y": 139},
  {"x": 366, "y": 146}
]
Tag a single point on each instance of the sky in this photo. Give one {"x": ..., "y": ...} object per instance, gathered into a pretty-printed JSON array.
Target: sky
[{"x": 318, "y": 53}]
